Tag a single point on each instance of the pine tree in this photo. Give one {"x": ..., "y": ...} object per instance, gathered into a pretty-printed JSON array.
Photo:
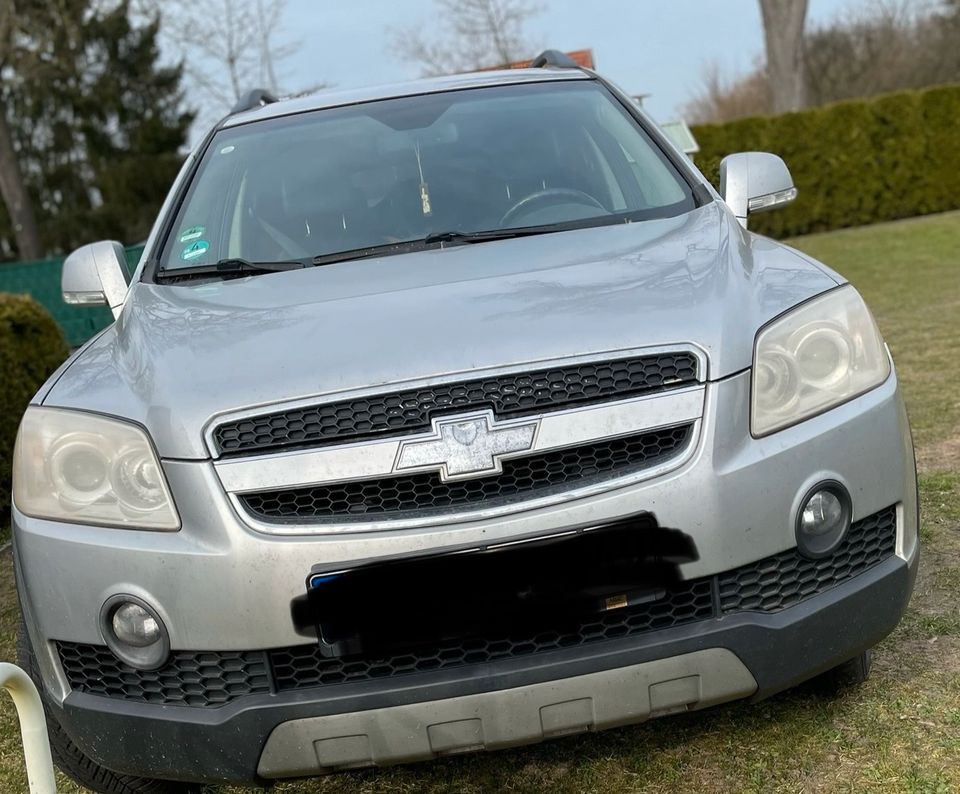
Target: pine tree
[{"x": 99, "y": 123}]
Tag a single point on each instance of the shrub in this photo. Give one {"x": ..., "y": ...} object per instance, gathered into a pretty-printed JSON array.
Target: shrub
[
  {"x": 854, "y": 162},
  {"x": 31, "y": 347},
  {"x": 940, "y": 110}
]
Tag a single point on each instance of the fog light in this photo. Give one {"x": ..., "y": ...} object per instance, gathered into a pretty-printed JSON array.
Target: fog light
[
  {"x": 133, "y": 625},
  {"x": 134, "y": 632},
  {"x": 823, "y": 519}
]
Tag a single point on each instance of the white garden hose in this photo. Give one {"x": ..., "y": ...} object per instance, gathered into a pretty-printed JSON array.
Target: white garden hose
[{"x": 33, "y": 728}]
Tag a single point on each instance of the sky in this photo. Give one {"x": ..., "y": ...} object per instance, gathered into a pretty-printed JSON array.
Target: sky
[{"x": 656, "y": 47}]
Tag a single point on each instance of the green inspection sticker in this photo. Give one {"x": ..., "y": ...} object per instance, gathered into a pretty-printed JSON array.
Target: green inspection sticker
[
  {"x": 194, "y": 250},
  {"x": 193, "y": 233}
]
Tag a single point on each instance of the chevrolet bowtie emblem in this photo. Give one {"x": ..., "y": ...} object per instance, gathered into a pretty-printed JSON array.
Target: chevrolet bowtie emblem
[{"x": 469, "y": 445}]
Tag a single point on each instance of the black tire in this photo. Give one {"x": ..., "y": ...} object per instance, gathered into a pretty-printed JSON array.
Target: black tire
[
  {"x": 70, "y": 759},
  {"x": 851, "y": 673}
]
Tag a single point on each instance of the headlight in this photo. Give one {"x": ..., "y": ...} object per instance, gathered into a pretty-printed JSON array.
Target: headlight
[
  {"x": 84, "y": 468},
  {"x": 823, "y": 353}
]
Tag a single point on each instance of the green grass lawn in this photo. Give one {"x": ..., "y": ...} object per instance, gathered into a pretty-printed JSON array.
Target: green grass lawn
[{"x": 899, "y": 732}]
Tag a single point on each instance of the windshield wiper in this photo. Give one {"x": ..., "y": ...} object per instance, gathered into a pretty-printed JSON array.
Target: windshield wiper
[
  {"x": 228, "y": 268},
  {"x": 236, "y": 267},
  {"x": 433, "y": 239},
  {"x": 387, "y": 249},
  {"x": 489, "y": 235}
]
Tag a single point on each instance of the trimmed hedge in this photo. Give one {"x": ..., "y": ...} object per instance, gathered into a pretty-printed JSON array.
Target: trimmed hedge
[
  {"x": 855, "y": 162},
  {"x": 31, "y": 347}
]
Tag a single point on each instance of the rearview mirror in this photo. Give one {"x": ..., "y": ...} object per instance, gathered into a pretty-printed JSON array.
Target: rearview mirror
[
  {"x": 96, "y": 275},
  {"x": 755, "y": 182}
]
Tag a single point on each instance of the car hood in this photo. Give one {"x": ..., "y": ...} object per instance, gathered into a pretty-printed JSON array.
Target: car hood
[{"x": 180, "y": 355}]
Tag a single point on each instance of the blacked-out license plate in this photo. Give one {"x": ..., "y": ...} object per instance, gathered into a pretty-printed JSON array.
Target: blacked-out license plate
[{"x": 547, "y": 583}]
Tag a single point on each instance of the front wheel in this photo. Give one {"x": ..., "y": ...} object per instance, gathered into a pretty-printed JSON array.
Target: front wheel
[{"x": 71, "y": 760}]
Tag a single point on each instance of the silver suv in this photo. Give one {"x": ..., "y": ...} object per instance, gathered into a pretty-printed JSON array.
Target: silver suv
[{"x": 447, "y": 416}]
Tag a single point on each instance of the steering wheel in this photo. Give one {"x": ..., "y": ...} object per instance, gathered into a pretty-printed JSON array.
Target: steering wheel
[{"x": 552, "y": 195}]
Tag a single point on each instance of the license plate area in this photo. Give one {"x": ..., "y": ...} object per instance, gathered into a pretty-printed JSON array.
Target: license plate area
[{"x": 544, "y": 584}]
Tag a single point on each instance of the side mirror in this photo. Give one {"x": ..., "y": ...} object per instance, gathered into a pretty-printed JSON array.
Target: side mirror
[
  {"x": 755, "y": 182},
  {"x": 96, "y": 275}
]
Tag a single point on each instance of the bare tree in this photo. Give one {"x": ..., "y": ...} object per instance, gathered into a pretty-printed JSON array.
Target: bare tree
[
  {"x": 783, "y": 23},
  {"x": 884, "y": 46},
  {"x": 13, "y": 191},
  {"x": 879, "y": 47},
  {"x": 227, "y": 46},
  {"x": 721, "y": 99},
  {"x": 268, "y": 21},
  {"x": 476, "y": 34}
]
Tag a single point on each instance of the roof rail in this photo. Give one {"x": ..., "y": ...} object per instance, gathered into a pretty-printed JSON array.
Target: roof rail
[
  {"x": 553, "y": 58},
  {"x": 256, "y": 98}
]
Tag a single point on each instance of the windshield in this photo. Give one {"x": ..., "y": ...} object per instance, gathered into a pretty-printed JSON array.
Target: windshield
[{"x": 561, "y": 154}]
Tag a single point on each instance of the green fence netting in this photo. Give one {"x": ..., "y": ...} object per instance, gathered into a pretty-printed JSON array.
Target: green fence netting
[{"x": 42, "y": 280}]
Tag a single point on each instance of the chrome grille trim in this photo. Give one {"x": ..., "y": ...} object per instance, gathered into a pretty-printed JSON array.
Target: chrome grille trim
[
  {"x": 380, "y": 458},
  {"x": 457, "y": 516}
]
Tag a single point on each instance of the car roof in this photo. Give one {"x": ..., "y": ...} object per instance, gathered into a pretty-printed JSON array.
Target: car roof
[{"x": 353, "y": 96}]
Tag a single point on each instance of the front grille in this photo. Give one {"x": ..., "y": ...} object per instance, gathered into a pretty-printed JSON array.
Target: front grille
[
  {"x": 510, "y": 395},
  {"x": 425, "y": 493},
  {"x": 206, "y": 678},
  {"x": 785, "y": 579},
  {"x": 211, "y": 678}
]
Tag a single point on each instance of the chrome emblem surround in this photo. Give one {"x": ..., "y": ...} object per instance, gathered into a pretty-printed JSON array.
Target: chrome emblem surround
[{"x": 467, "y": 446}]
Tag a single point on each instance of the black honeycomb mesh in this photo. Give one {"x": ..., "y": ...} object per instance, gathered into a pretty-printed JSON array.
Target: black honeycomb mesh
[
  {"x": 187, "y": 679},
  {"x": 304, "y": 666},
  {"x": 785, "y": 579},
  {"x": 508, "y": 395},
  {"x": 424, "y": 493},
  {"x": 212, "y": 678}
]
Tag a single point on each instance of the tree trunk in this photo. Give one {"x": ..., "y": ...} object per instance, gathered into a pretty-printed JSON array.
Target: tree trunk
[
  {"x": 783, "y": 22},
  {"x": 14, "y": 195}
]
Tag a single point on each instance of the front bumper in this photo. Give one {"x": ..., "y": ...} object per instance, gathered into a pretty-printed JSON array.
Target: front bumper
[{"x": 499, "y": 705}]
